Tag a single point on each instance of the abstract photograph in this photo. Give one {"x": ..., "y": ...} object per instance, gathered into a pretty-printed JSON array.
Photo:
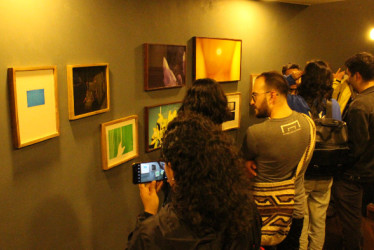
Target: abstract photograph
[
  {"x": 34, "y": 105},
  {"x": 233, "y": 103},
  {"x": 164, "y": 66},
  {"x": 231, "y": 106},
  {"x": 157, "y": 119},
  {"x": 119, "y": 141},
  {"x": 219, "y": 59},
  {"x": 88, "y": 90}
]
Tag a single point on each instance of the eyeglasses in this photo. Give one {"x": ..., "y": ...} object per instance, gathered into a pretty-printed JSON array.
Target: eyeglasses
[{"x": 254, "y": 95}]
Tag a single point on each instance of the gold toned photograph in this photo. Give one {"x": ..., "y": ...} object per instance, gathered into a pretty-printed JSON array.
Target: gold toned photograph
[{"x": 219, "y": 59}]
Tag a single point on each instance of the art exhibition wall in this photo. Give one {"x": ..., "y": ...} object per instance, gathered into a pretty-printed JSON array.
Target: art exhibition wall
[{"x": 54, "y": 194}]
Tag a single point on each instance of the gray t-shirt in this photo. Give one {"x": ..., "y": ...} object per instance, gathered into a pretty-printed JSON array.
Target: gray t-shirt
[{"x": 277, "y": 145}]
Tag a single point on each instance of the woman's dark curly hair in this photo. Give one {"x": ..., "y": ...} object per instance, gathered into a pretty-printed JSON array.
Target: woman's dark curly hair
[
  {"x": 316, "y": 85},
  {"x": 212, "y": 190},
  {"x": 206, "y": 97}
]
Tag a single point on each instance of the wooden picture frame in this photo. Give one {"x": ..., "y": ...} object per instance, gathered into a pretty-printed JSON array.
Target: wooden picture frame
[
  {"x": 233, "y": 102},
  {"x": 164, "y": 66},
  {"x": 157, "y": 119},
  {"x": 217, "y": 58},
  {"x": 88, "y": 89},
  {"x": 33, "y": 104},
  {"x": 117, "y": 135}
]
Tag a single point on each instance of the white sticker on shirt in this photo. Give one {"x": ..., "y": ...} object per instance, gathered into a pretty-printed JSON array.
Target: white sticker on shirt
[{"x": 291, "y": 127}]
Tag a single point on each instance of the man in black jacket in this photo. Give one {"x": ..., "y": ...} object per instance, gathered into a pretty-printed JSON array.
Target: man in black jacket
[{"x": 348, "y": 187}]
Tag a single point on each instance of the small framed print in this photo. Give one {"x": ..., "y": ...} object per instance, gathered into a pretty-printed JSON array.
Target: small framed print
[
  {"x": 88, "y": 90},
  {"x": 119, "y": 141},
  {"x": 217, "y": 58},
  {"x": 233, "y": 102},
  {"x": 157, "y": 119},
  {"x": 164, "y": 66},
  {"x": 33, "y": 104}
]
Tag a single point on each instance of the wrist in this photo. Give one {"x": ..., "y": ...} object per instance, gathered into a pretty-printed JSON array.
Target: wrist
[{"x": 150, "y": 211}]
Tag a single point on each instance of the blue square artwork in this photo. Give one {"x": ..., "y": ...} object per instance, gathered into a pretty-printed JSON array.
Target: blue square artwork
[{"x": 35, "y": 97}]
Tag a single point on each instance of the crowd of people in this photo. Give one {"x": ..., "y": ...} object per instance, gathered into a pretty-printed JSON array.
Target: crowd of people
[{"x": 210, "y": 204}]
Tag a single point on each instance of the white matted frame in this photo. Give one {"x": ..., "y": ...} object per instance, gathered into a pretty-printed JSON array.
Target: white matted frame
[
  {"x": 233, "y": 102},
  {"x": 119, "y": 141},
  {"x": 33, "y": 104},
  {"x": 88, "y": 89}
]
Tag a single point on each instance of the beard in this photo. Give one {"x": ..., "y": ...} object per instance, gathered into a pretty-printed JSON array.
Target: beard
[{"x": 262, "y": 111}]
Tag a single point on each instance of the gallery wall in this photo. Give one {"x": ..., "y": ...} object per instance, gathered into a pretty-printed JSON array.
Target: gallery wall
[{"x": 54, "y": 194}]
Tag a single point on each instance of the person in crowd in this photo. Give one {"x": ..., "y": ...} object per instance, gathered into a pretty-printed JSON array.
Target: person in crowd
[
  {"x": 273, "y": 148},
  {"x": 211, "y": 205},
  {"x": 313, "y": 92},
  {"x": 343, "y": 92},
  {"x": 292, "y": 70},
  {"x": 206, "y": 97},
  {"x": 348, "y": 186}
]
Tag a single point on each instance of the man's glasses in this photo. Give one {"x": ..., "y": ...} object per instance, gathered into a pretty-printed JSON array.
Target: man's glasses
[{"x": 254, "y": 95}]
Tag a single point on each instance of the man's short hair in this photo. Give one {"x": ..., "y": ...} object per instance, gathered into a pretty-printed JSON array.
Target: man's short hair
[
  {"x": 362, "y": 63},
  {"x": 289, "y": 66},
  {"x": 274, "y": 80}
]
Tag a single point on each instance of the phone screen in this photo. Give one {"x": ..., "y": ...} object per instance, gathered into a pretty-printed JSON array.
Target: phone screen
[{"x": 148, "y": 171}]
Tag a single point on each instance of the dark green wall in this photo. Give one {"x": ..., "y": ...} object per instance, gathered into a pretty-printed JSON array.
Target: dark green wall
[{"x": 54, "y": 194}]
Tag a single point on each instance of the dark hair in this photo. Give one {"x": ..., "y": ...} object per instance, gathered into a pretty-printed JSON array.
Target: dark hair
[
  {"x": 206, "y": 97},
  {"x": 289, "y": 66},
  {"x": 212, "y": 183},
  {"x": 274, "y": 80},
  {"x": 316, "y": 85},
  {"x": 362, "y": 63}
]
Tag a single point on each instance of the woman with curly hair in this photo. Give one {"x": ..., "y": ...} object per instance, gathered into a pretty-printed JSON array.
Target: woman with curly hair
[
  {"x": 313, "y": 93},
  {"x": 211, "y": 205},
  {"x": 206, "y": 97}
]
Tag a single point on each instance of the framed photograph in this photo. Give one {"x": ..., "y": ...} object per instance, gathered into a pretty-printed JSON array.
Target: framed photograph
[
  {"x": 233, "y": 102},
  {"x": 219, "y": 59},
  {"x": 164, "y": 66},
  {"x": 88, "y": 89},
  {"x": 119, "y": 141},
  {"x": 157, "y": 119},
  {"x": 253, "y": 78},
  {"x": 33, "y": 104}
]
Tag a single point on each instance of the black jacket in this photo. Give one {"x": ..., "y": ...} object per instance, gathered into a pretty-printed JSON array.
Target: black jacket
[
  {"x": 360, "y": 123},
  {"x": 165, "y": 231}
]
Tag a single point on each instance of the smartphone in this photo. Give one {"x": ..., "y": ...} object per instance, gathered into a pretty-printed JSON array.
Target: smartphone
[{"x": 148, "y": 171}]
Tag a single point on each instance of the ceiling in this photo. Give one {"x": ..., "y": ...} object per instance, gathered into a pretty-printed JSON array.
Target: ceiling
[{"x": 305, "y": 2}]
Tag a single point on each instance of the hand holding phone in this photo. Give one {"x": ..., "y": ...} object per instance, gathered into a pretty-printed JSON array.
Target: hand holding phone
[{"x": 148, "y": 194}]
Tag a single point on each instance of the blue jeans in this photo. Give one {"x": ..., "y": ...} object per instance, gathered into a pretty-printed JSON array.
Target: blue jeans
[{"x": 317, "y": 195}]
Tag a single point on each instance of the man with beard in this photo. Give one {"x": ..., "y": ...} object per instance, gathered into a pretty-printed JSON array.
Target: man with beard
[{"x": 274, "y": 147}]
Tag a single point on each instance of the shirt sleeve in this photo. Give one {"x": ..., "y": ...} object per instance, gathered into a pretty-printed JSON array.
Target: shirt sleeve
[
  {"x": 249, "y": 146},
  {"x": 358, "y": 131},
  {"x": 137, "y": 240}
]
